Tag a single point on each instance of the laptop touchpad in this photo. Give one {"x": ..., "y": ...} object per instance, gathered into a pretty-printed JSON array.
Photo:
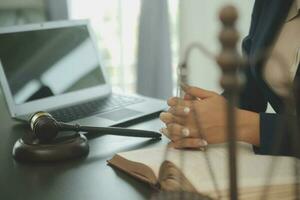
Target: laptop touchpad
[{"x": 118, "y": 115}]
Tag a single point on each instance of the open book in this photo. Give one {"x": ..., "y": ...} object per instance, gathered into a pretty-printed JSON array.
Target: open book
[{"x": 187, "y": 170}]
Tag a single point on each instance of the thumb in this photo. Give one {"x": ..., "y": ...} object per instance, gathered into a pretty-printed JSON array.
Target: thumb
[{"x": 197, "y": 92}]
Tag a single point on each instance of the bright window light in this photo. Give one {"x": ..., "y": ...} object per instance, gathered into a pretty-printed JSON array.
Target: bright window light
[{"x": 115, "y": 23}]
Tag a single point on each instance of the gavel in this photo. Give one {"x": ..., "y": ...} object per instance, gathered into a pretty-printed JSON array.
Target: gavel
[
  {"x": 46, "y": 128},
  {"x": 44, "y": 145}
]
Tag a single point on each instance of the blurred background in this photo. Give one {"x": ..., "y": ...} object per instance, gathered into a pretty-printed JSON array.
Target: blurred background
[{"x": 141, "y": 42}]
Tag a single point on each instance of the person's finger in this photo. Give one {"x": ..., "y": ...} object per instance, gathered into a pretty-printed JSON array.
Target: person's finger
[
  {"x": 180, "y": 110},
  {"x": 171, "y": 145},
  {"x": 168, "y": 118},
  {"x": 174, "y": 101},
  {"x": 189, "y": 97},
  {"x": 177, "y": 132},
  {"x": 165, "y": 132},
  {"x": 193, "y": 143},
  {"x": 197, "y": 92}
]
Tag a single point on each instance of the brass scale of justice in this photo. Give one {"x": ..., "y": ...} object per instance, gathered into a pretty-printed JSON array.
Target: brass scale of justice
[{"x": 232, "y": 82}]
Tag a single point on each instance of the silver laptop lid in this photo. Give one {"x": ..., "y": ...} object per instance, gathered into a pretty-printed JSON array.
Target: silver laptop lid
[{"x": 48, "y": 66}]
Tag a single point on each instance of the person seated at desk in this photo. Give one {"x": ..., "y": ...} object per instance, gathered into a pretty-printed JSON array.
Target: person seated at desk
[{"x": 276, "y": 24}]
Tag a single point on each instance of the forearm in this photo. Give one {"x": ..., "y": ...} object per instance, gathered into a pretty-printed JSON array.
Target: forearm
[{"x": 248, "y": 127}]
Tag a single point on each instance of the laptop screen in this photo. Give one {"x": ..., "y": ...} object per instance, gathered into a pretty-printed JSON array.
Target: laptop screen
[{"x": 45, "y": 63}]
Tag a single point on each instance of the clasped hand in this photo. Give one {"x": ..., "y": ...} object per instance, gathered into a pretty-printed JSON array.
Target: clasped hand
[{"x": 199, "y": 119}]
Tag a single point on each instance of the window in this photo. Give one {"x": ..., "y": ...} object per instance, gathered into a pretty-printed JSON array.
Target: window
[{"x": 115, "y": 23}]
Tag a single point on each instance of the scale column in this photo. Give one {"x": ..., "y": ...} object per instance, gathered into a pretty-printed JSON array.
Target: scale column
[{"x": 230, "y": 61}]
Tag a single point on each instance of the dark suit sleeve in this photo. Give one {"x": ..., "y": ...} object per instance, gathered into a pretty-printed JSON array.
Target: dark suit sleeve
[
  {"x": 251, "y": 97},
  {"x": 275, "y": 136},
  {"x": 271, "y": 140}
]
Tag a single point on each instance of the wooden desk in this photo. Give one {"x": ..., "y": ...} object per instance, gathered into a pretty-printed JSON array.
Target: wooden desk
[{"x": 88, "y": 179}]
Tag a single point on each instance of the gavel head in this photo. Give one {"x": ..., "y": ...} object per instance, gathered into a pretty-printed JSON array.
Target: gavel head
[{"x": 44, "y": 126}]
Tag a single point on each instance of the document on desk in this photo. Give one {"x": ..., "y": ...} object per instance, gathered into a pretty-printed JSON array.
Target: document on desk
[{"x": 188, "y": 170}]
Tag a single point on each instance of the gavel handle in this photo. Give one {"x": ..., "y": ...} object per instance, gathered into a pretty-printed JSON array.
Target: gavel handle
[{"x": 110, "y": 131}]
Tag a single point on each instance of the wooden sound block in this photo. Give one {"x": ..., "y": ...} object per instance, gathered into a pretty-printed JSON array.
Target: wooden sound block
[{"x": 61, "y": 149}]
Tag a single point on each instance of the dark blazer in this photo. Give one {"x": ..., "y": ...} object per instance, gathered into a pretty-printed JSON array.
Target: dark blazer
[{"x": 267, "y": 19}]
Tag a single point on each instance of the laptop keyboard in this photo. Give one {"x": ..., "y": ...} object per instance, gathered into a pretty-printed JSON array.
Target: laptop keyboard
[{"x": 94, "y": 107}]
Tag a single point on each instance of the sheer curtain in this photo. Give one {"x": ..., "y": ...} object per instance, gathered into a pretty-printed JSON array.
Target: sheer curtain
[{"x": 154, "y": 65}]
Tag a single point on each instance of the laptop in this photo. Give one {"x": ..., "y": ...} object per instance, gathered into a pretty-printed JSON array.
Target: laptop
[{"x": 56, "y": 67}]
